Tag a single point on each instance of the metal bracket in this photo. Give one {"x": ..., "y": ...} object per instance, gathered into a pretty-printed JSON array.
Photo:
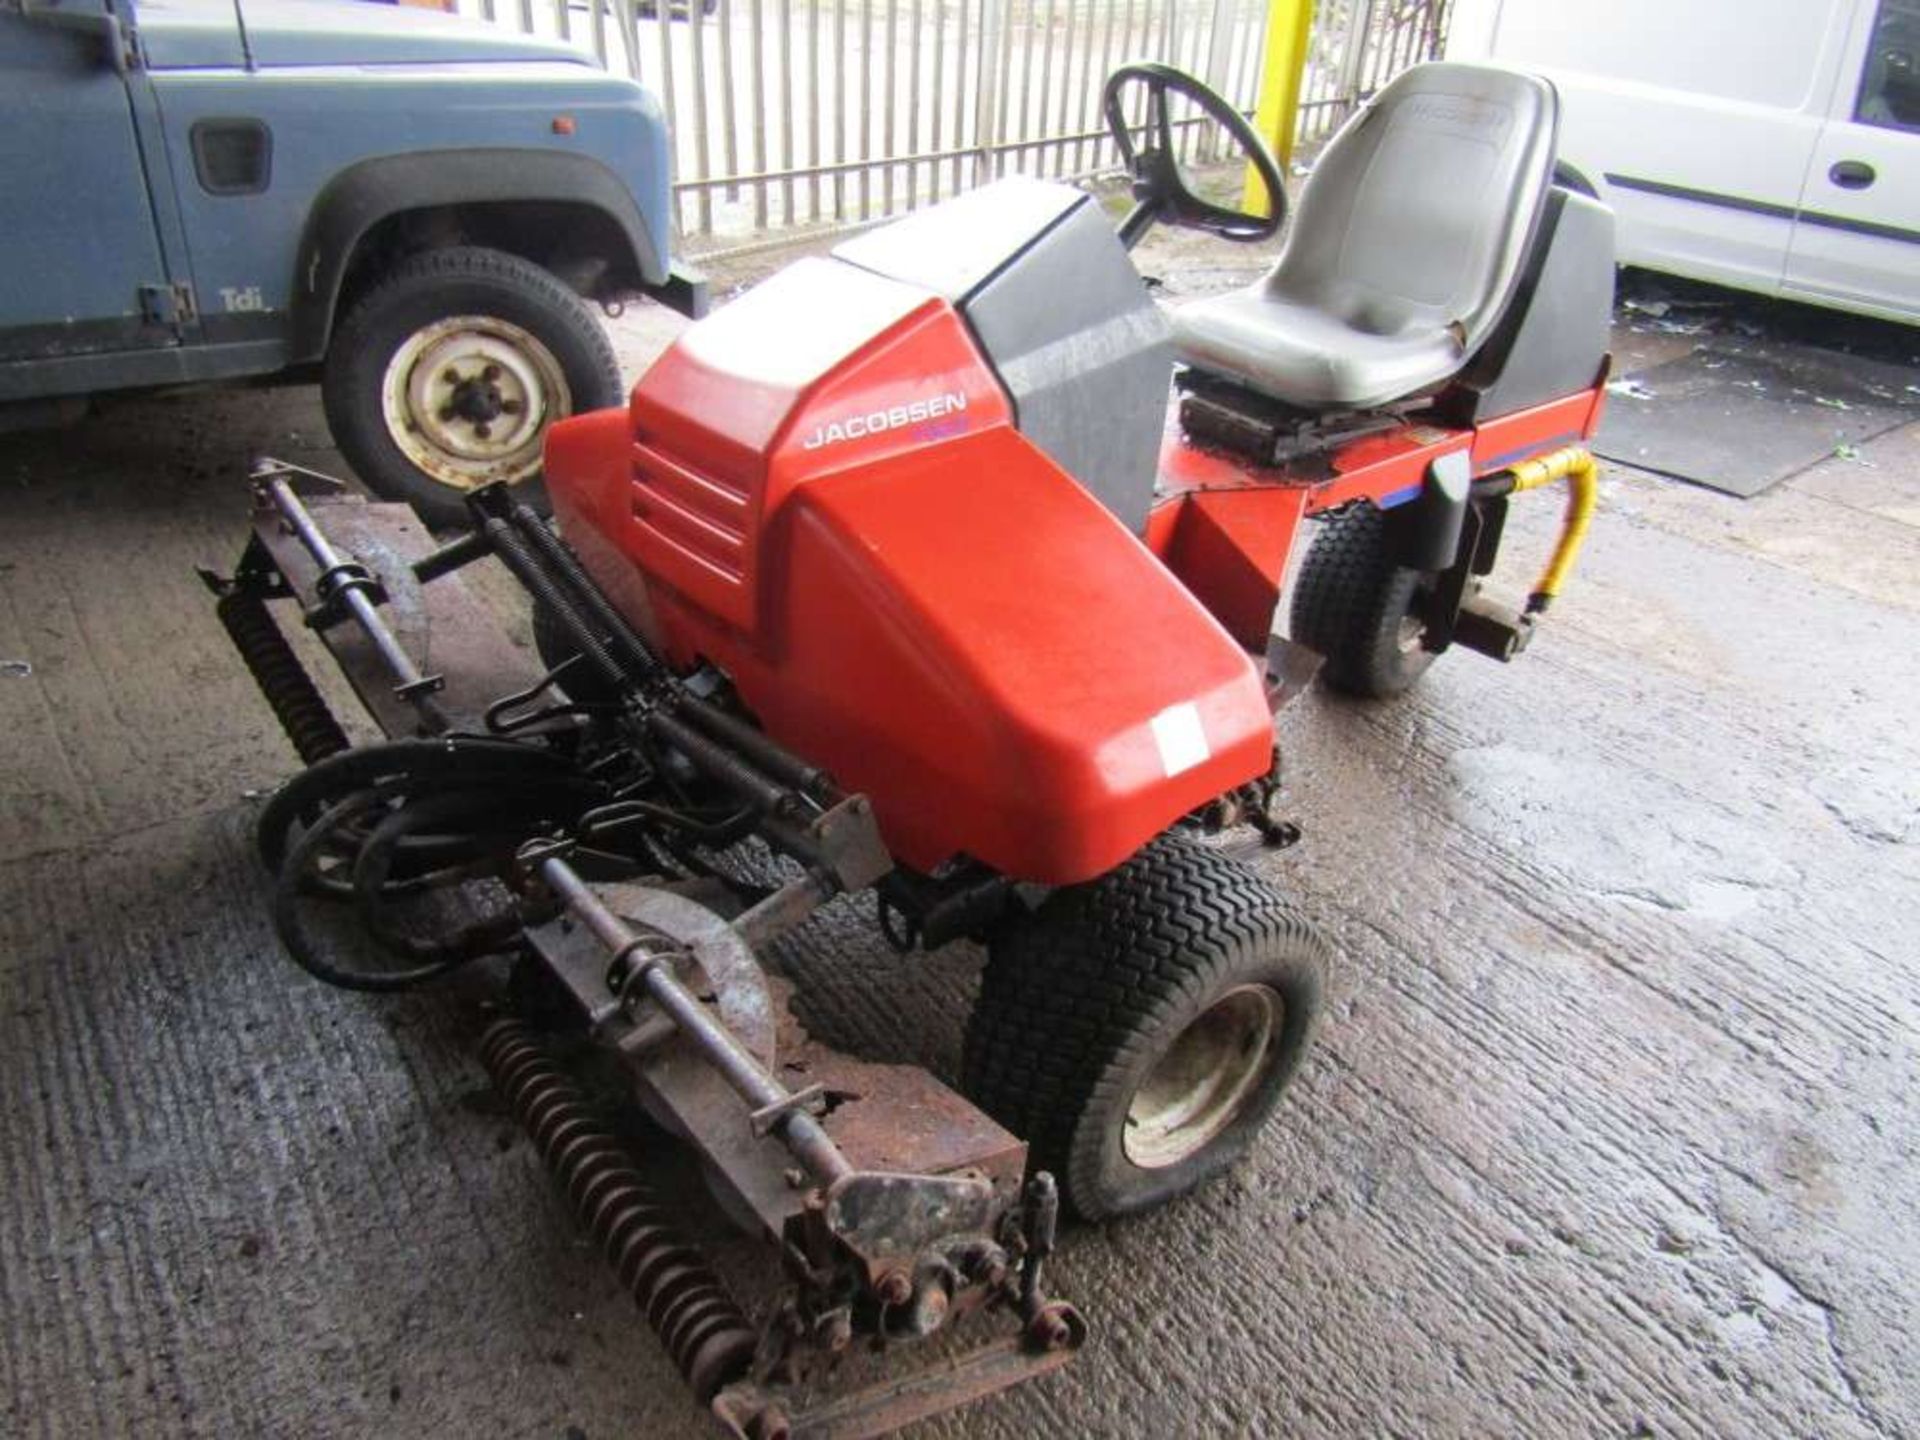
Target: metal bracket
[
  {"x": 331, "y": 589},
  {"x": 850, "y": 843},
  {"x": 167, "y": 304},
  {"x": 1491, "y": 629},
  {"x": 766, "y": 1117},
  {"x": 889, "y": 1219},
  {"x": 1043, "y": 1344},
  {"x": 305, "y": 483},
  {"x": 1290, "y": 669}
]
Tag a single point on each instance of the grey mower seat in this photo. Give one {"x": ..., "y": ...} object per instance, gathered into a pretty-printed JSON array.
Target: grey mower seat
[{"x": 1404, "y": 248}]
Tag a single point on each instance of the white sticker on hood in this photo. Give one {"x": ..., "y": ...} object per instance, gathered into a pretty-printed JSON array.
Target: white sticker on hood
[{"x": 1183, "y": 744}]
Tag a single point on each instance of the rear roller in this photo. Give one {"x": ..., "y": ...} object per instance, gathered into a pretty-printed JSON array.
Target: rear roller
[{"x": 698, "y": 1322}]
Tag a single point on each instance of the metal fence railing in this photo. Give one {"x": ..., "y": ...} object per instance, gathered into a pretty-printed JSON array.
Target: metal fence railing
[
  {"x": 1357, "y": 46},
  {"x": 802, "y": 112}
]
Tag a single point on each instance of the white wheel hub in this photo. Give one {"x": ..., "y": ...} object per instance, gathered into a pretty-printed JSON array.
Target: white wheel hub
[
  {"x": 1205, "y": 1080},
  {"x": 468, "y": 400}
]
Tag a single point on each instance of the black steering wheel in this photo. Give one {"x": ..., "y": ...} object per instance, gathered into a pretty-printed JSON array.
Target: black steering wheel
[{"x": 1159, "y": 188}]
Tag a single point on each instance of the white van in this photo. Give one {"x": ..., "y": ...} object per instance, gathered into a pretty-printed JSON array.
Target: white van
[{"x": 1772, "y": 145}]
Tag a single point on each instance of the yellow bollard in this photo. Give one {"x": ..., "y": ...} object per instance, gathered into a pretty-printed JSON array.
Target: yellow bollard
[{"x": 1289, "y": 23}]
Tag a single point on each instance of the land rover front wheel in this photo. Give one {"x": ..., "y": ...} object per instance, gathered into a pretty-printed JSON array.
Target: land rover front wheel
[{"x": 446, "y": 374}]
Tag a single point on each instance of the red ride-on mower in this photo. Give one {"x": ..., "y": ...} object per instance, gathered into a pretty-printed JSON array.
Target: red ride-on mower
[{"x": 898, "y": 574}]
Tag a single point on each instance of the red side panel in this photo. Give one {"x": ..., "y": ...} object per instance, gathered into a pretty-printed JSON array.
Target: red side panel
[
  {"x": 1231, "y": 548},
  {"x": 975, "y": 642},
  {"x": 714, "y": 420}
]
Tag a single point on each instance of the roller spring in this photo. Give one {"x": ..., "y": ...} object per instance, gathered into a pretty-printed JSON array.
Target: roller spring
[
  {"x": 702, "y": 1328},
  {"x": 297, "y": 705}
]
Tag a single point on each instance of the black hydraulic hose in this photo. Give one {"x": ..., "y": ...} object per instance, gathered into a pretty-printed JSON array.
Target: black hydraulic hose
[
  {"x": 290, "y": 923},
  {"x": 420, "y": 862},
  {"x": 717, "y": 832},
  {"x": 457, "y": 760},
  {"x": 507, "y": 822}
]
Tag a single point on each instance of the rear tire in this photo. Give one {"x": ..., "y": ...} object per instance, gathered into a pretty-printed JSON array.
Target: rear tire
[
  {"x": 1355, "y": 606},
  {"x": 1137, "y": 1031},
  {"x": 522, "y": 351}
]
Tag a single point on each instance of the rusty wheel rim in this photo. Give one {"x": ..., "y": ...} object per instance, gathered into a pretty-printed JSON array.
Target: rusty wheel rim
[
  {"x": 1205, "y": 1080},
  {"x": 468, "y": 400},
  {"x": 1407, "y": 638}
]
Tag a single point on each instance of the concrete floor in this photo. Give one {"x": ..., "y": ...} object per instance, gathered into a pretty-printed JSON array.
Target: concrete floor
[{"x": 1611, "y": 1129}]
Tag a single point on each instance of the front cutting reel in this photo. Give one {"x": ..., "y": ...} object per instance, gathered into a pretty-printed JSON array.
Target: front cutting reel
[{"x": 581, "y": 841}]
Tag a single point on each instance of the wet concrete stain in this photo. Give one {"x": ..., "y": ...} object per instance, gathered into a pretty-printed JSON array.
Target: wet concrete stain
[{"x": 1611, "y": 1131}]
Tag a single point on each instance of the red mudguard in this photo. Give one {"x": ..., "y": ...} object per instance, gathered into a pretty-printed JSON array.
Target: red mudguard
[{"x": 820, "y": 490}]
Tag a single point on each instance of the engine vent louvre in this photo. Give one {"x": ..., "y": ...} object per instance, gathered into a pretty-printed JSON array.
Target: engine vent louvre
[{"x": 699, "y": 515}]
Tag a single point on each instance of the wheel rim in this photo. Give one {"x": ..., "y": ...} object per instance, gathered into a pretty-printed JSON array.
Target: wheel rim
[
  {"x": 1205, "y": 1080},
  {"x": 1412, "y": 628},
  {"x": 468, "y": 400}
]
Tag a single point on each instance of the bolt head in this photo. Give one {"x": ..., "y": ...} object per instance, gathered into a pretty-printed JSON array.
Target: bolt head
[
  {"x": 483, "y": 430},
  {"x": 1050, "y": 1330},
  {"x": 835, "y": 1331},
  {"x": 895, "y": 1287},
  {"x": 933, "y": 1308},
  {"x": 450, "y": 375},
  {"x": 490, "y": 372}
]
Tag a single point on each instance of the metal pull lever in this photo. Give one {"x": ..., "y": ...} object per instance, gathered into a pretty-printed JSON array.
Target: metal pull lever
[{"x": 1852, "y": 174}]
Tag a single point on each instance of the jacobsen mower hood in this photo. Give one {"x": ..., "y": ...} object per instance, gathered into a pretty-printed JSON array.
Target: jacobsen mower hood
[
  {"x": 820, "y": 488},
  {"x": 205, "y": 34}
]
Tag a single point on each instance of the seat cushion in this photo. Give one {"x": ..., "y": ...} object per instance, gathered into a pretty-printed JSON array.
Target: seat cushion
[{"x": 1305, "y": 356}]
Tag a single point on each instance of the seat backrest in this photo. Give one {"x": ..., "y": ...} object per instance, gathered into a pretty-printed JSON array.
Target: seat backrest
[{"x": 1419, "y": 212}]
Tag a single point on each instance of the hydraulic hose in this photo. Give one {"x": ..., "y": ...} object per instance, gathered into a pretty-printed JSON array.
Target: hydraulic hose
[
  {"x": 457, "y": 761},
  {"x": 505, "y": 820},
  {"x": 445, "y": 810},
  {"x": 1575, "y": 465},
  {"x": 307, "y": 948}
]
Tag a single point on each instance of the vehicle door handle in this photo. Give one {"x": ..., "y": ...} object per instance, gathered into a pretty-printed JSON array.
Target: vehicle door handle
[{"x": 1852, "y": 174}]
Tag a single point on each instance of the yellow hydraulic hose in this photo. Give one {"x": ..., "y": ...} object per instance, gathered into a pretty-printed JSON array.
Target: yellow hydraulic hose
[{"x": 1576, "y": 466}]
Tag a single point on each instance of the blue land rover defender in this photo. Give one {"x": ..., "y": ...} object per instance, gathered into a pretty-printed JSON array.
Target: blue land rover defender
[{"x": 417, "y": 209}]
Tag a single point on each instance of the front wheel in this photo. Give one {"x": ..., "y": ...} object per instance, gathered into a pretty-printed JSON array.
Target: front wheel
[
  {"x": 1137, "y": 1031},
  {"x": 448, "y": 372}
]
